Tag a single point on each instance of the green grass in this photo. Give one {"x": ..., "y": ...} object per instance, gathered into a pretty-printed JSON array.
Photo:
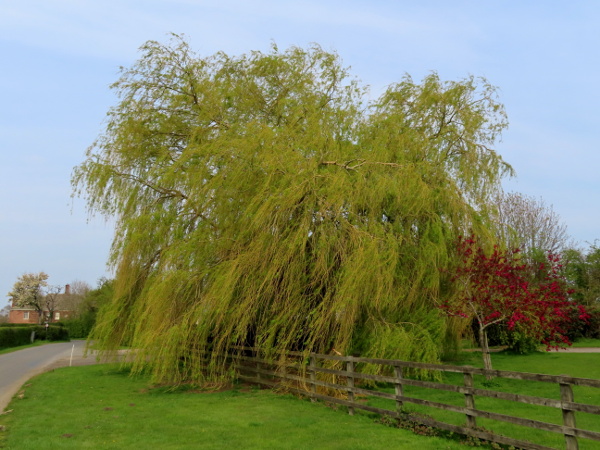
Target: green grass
[
  {"x": 101, "y": 407},
  {"x": 21, "y": 347},
  {"x": 585, "y": 365},
  {"x": 586, "y": 342},
  {"x": 581, "y": 342}
]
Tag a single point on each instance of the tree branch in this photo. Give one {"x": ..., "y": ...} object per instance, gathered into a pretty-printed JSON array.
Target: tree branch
[{"x": 348, "y": 165}]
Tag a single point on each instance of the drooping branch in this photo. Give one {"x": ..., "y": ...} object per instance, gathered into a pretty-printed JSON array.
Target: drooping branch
[
  {"x": 354, "y": 164},
  {"x": 168, "y": 192}
]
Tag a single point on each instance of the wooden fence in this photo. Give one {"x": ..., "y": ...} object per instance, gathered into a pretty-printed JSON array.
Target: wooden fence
[{"x": 340, "y": 385}]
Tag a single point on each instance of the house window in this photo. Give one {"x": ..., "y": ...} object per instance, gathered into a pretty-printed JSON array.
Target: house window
[
  {"x": 57, "y": 316},
  {"x": 26, "y": 315}
]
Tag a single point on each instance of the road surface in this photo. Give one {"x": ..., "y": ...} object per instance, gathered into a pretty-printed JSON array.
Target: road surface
[{"x": 17, "y": 367}]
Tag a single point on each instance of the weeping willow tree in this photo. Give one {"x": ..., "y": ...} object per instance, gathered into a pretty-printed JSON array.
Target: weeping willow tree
[{"x": 261, "y": 200}]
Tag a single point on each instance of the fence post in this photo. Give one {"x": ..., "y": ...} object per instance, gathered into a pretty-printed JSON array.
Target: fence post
[
  {"x": 258, "y": 366},
  {"x": 469, "y": 399},
  {"x": 350, "y": 381},
  {"x": 398, "y": 387},
  {"x": 566, "y": 395},
  {"x": 313, "y": 376},
  {"x": 283, "y": 366}
]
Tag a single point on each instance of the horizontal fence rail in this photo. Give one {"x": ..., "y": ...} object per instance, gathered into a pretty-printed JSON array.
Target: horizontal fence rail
[{"x": 307, "y": 375}]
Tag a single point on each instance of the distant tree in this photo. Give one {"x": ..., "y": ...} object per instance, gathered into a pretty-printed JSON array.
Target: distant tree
[
  {"x": 528, "y": 224},
  {"x": 28, "y": 292},
  {"x": 50, "y": 301},
  {"x": 583, "y": 272},
  {"x": 72, "y": 300},
  {"x": 496, "y": 288},
  {"x": 82, "y": 323},
  {"x": 4, "y": 312},
  {"x": 80, "y": 288},
  {"x": 592, "y": 260},
  {"x": 264, "y": 200},
  {"x": 98, "y": 297}
]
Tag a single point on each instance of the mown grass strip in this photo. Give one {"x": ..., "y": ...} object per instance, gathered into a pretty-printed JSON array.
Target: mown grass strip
[
  {"x": 101, "y": 407},
  {"x": 552, "y": 363}
]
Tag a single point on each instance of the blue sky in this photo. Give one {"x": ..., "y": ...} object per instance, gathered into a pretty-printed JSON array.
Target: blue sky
[{"x": 59, "y": 57}]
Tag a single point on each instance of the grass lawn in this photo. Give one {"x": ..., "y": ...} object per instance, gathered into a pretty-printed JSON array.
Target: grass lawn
[
  {"x": 584, "y": 365},
  {"x": 581, "y": 342},
  {"x": 101, "y": 407},
  {"x": 585, "y": 342}
]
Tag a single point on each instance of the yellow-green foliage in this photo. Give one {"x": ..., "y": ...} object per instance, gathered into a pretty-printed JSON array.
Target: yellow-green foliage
[{"x": 261, "y": 200}]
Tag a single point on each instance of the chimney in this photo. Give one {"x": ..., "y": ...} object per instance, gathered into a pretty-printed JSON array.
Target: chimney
[{"x": 67, "y": 289}]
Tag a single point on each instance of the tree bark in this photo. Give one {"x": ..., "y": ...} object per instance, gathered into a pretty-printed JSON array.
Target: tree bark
[{"x": 485, "y": 350}]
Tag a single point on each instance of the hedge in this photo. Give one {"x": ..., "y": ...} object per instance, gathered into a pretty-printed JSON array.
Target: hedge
[
  {"x": 13, "y": 325},
  {"x": 20, "y": 334},
  {"x": 52, "y": 333},
  {"x": 15, "y": 336},
  {"x": 79, "y": 327}
]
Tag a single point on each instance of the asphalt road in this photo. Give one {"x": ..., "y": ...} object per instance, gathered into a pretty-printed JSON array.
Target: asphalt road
[{"x": 18, "y": 367}]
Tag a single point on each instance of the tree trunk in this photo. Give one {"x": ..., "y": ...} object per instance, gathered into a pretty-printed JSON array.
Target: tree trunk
[{"x": 485, "y": 350}]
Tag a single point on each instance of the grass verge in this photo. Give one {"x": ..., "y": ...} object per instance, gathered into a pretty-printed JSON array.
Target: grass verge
[
  {"x": 22, "y": 347},
  {"x": 101, "y": 407},
  {"x": 586, "y": 342},
  {"x": 584, "y": 365}
]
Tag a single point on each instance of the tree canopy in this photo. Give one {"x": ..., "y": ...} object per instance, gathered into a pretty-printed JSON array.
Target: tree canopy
[
  {"x": 583, "y": 271},
  {"x": 498, "y": 288},
  {"x": 29, "y": 292},
  {"x": 264, "y": 200},
  {"x": 528, "y": 224}
]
